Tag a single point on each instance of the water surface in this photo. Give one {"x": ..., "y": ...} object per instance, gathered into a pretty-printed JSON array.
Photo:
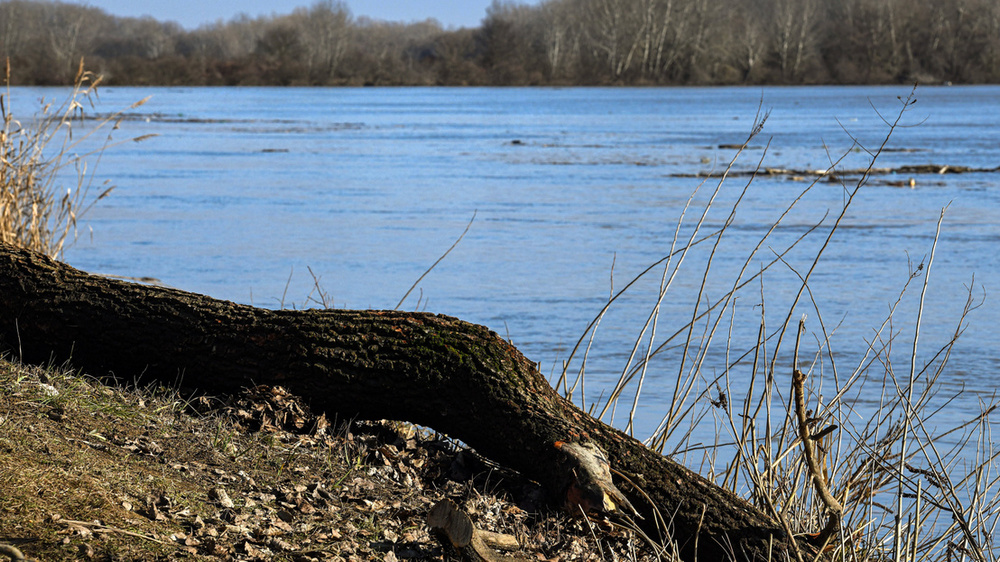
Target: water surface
[{"x": 574, "y": 191}]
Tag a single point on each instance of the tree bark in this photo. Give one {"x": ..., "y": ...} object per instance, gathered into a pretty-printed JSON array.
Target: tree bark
[{"x": 453, "y": 376}]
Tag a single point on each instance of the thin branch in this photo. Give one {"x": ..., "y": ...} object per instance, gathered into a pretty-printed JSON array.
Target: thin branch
[{"x": 433, "y": 265}]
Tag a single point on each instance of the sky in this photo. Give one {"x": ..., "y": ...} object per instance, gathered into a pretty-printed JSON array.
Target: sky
[{"x": 192, "y": 13}]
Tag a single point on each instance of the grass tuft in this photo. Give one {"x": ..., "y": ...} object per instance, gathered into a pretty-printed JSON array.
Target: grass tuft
[{"x": 37, "y": 210}]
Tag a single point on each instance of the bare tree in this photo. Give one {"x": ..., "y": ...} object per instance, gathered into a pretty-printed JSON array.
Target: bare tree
[
  {"x": 13, "y": 36},
  {"x": 988, "y": 29},
  {"x": 388, "y": 53},
  {"x": 513, "y": 40},
  {"x": 238, "y": 38},
  {"x": 451, "y": 56},
  {"x": 679, "y": 31},
  {"x": 867, "y": 40},
  {"x": 794, "y": 25},
  {"x": 560, "y": 35},
  {"x": 748, "y": 41},
  {"x": 147, "y": 37},
  {"x": 963, "y": 44},
  {"x": 70, "y": 33},
  {"x": 325, "y": 34},
  {"x": 555, "y": 41},
  {"x": 614, "y": 29}
]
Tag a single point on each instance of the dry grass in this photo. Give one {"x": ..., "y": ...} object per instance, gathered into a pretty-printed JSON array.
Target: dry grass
[
  {"x": 881, "y": 482},
  {"x": 39, "y": 156},
  {"x": 90, "y": 471},
  {"x": 96, "y": 472}
]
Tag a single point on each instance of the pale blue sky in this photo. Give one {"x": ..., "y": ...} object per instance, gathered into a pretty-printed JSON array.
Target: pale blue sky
[{"x": 192, "y": 13}]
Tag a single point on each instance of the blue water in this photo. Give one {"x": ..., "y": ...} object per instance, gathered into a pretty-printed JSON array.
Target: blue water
[{"x": 574, "y": 191}]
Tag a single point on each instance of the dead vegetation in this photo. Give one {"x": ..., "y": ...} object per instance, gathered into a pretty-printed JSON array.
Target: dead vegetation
[
  {"x": 887, "y": 480},
  {"x": 47, "y": 167},
  {"x": 96, "y": 472}
]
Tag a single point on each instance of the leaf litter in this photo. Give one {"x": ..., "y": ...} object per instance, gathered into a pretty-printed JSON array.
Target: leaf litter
[{"x": 96, "y": 472}]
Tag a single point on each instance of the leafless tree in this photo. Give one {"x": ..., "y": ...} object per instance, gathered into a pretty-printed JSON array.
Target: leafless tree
[
  {"x": 748, "y": 43},
  {"x": 555, "y": 41},
  {"x": 324, "y": 34},
  {"x": 794, "y": 32}
]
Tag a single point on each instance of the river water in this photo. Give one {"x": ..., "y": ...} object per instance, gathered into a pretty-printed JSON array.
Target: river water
[{"x": 246, "y": 194}]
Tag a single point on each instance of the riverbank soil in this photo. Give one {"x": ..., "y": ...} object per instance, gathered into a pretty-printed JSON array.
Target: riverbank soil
[{"x": 96, "y": 472}]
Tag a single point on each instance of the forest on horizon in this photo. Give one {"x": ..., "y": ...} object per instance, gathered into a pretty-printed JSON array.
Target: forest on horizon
[{"x": 558, "y": 42}]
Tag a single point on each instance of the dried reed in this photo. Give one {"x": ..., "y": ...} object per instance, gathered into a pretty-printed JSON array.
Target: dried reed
[{"x": 37, "y": 211}]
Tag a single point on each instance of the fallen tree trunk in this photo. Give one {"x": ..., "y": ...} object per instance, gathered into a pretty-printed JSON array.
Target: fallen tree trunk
[{"x": 455, "y": 377}]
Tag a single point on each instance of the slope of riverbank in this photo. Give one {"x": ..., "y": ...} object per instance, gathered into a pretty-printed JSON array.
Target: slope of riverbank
[{"x": 95, "y": 472}]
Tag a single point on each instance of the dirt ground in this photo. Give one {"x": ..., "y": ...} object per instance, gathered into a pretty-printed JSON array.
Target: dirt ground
[{"x": 96, "y": 472}]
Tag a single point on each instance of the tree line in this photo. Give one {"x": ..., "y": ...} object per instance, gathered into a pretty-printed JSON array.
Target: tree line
[{"x": 556, "y": 42}]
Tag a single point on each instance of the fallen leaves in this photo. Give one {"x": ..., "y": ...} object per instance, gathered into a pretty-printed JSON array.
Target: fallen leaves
[{"x": 261, "y": 478}]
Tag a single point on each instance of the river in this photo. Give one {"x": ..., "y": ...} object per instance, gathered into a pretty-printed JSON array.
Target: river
[{"x": 246, "y": 194}]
